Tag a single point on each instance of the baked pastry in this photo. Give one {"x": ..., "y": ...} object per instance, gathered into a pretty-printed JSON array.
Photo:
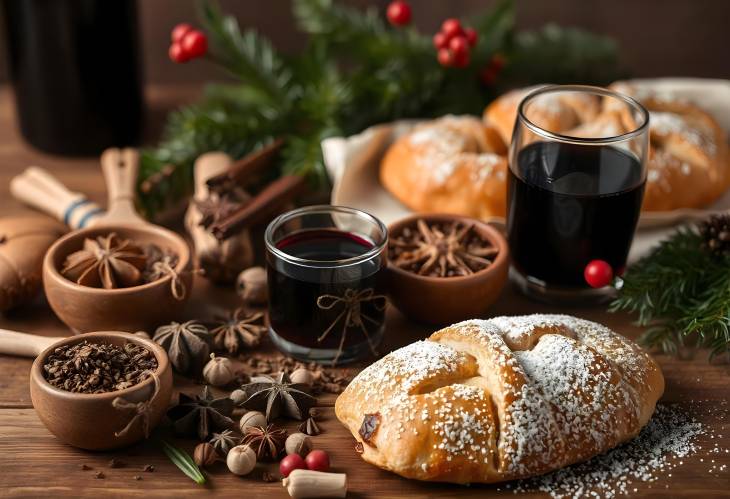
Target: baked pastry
[
  {"x": 454, "y": 164},
  {"x": 500, "y": 399}
]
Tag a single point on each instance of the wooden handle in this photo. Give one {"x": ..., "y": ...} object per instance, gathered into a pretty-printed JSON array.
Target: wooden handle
[
  {"x": 23, "y": 344},
  {"x": 206, "y": 166},
  {"x": 120, "y": 169},
  {"x": 38, "y": 188}
]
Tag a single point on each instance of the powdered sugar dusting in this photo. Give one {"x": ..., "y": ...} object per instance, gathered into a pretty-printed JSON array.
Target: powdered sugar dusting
[{"x": 666, "y": 123}]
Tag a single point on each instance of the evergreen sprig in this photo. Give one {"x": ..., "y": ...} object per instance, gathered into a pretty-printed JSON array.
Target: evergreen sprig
[
  {"x": 356, "y": 71},
  {"x": 682, "y": 293}
]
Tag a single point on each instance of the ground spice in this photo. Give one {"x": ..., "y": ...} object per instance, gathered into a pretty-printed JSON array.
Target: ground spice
[{"x": 98, "y": 367}]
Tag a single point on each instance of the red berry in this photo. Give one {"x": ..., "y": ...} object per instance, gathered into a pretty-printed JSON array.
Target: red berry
[
  {"x": 471, "y": 36},
  {"x": 444, "y": 57},
  {"x": 461, "y": 59},
  {"x": 179, "y": 31},
  {"x": 399, "y": 13},
  {"x": 497, "y": 62},
  {"x": 440, "y": 41},
  {"x": 458, "y": 46},
  {"x": 598, "y": 273},
  {"x": 290, "y": 463},
  {"x": 488, "y": 76},
  {"x": 177, "y": 54},
  {"x": 194, "y": 44},
  {"x": 318, "y": 460},
  {"x": 451, "y": 28}
]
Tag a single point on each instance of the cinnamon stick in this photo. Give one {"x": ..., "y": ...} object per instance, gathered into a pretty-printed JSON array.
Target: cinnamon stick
[
  {"x": 243, "y": 169},
  {"x": 263, "y": 205}
]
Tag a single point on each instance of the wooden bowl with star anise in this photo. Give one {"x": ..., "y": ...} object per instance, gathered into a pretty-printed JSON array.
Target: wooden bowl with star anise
[{"x": 445, "y": 268}]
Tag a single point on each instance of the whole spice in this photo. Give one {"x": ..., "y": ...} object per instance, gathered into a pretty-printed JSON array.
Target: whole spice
[
  {"x": 106, "y": 262},
  {"x": 218, "y": 371},
  {"x": 201, "y": 415},
  {"x": 278, "y": 395},
  {"x": 98, "y": 367},
  {"x": 241, "y": 460},
  {"x": 224, "y": 441},
  {"x": 715, "y": 232},
  {"x": 302, "y": 376},
  {"x": 298, "y": 443},
  {"x": 310, "y": 427},
  {"x": 204, "y": 455},
  {"x": 187, "y": 345},
  {"x": 240, "y": 329},
  {"x": 441, "y": 249},
  {"x": 268, "y": 442},
  {"x": 252, "y": 287},
  {"x": 251, "y": 418},
  {"x": 302, "y": 484}
]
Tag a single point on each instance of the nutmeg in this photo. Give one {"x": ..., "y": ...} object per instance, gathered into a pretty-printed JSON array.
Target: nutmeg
[
  {"x": 204, "y": 455},
  {"x": 252, "y": 418},
  {"x": 241, "y": 460},
  {"x": 251, "y": 286},
  {"x": 298, "y": 443},
  {"x": 218, "y": 371},
  {"x": 302, "y": 376}
]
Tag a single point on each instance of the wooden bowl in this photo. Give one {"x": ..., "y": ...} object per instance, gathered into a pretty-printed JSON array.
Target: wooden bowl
[
  {"x": 143, "y": 307},
  {"x": 89, "y": 421},
  {"x": 446, "y": 300}
]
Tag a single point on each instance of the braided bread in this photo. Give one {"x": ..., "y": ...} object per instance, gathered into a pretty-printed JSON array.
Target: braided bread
[
  {"x": 451, "y": 164},
  {"x": 500, "y": 399}
]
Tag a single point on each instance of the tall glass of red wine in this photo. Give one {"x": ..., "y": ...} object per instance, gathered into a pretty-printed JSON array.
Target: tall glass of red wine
[
  {"x": 326, "y": 291},
  {"x": 577, "y": 170}
]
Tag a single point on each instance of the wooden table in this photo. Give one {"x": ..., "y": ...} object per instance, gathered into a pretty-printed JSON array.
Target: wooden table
[{"x": 33, "y": 463}]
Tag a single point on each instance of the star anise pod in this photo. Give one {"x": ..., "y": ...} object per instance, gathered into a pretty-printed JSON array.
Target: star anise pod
[
  {"x": 441, "y": 249},
  {"x": 201, "y": 415},
  {"x": 715, "y": 233},
  {"x": 267, "y": 443},
  {"x": 106, "y": 262},
  {"x": 224, "y": 441},
  {"x": 220, "y": 205},
  {"x": 238, "y": 330},
  {"x": 277, "y": 396},
  {"x": 187, "y": 345},
  {"x": 310, "y": 427}
]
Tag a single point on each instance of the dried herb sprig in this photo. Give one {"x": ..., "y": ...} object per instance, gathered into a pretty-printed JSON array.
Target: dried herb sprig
[{"x": 182, "y": 460}]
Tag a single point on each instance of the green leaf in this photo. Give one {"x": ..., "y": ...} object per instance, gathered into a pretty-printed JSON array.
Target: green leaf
[{"x": 182, "y": 460}]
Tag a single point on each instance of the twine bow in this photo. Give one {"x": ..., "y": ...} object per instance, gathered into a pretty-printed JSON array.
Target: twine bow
[
  {"x": 352, "y": 313},
  {"x": 142, "y": 410},
  {"x": 163, "y": 268}
]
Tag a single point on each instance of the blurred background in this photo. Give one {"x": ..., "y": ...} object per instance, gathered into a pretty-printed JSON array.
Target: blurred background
[{"x": 656, "y": 37}]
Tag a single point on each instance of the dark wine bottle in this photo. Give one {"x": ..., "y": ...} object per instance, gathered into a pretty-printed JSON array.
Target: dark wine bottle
[{"x": 75, "y": 71}]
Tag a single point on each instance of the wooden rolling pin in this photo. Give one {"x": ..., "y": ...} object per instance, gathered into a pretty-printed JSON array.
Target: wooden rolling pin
[{"x": 23, "y": 344}]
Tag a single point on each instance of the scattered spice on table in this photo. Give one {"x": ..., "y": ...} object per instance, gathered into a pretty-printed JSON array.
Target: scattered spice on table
[
  {"x": 238, "y": 330},
  {"x": 310, "y": 427},
  {"x": 137, "y": 477},
  {"x": 85, "y": 467},
  {"x": 267, "y": 442},
  {"x": 201, "y": 415},
  {"x": 278, "y": 396},
  {"x": 149, "y": 468},
  {"x": 116, "y": 463},
  {"x": 440, "y": 249},
  {"x": 100, "y": 475},
  {"x": 326, "y": 379},
  {"x": 98, "y": 367}
]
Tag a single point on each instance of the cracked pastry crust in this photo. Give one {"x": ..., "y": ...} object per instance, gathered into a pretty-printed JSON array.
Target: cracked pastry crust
[{"x": 500, "y": 399}]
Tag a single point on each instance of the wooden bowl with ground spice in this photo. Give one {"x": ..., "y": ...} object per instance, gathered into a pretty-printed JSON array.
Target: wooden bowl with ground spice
[
  {"x": 445, "y": 268},
  {"x": 98, "y": 391}
]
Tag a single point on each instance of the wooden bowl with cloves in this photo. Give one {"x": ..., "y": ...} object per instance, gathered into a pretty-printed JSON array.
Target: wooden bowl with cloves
[
  {"x": 445, "y": 268},
  {"x": 122, "y": 273}
]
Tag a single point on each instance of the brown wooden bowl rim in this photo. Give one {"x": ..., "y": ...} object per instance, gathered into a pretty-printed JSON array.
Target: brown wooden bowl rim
[
  {"x": 52, "y": 271},
  {"x": 492, "y": 234},
  {"x": 163, "y": 364}
]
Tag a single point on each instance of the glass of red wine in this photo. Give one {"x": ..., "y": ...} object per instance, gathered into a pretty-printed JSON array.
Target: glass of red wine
[
  {"x": 577, "y": 170},
  {"x": 325, "y": 268}
]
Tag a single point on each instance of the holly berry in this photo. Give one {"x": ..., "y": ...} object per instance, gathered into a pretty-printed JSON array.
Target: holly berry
[
  {"x": 317, "y": 460},
  {"x": 194, "y": 44},
  {"x": 445, "y": 57},
  {"x": 471, "y": 36},
  {"x": 458, "y": 46},
  {"x": 177, "y": 54},
  {"x": 440, "y": 41},
  {"x": 461, "y": 59},
  {"x": 451, "y": 28},
  {"x": 598, "y": 273},
  {"x": 290, "y": 463},
  {"x": 179, "y": 31},
  {"x": 399, "y": 13}
]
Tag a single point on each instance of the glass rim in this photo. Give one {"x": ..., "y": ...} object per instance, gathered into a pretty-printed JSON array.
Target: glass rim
[
  {"x": 630, "y": 101},
  {"x": 324, "y": 209}
]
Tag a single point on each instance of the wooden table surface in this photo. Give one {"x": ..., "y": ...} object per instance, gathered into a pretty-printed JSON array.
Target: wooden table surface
[{"x": 34, "y": 464}]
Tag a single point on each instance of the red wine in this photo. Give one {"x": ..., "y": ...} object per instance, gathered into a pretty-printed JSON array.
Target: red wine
[
  {"x": 576, "y": 203},
  {"x": 323, "y": 301}
]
